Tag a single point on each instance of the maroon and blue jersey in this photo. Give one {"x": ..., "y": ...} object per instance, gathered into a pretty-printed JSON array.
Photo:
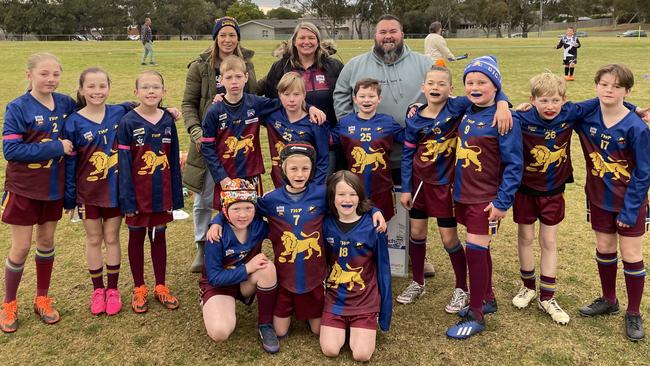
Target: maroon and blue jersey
[
  {"x": 282, "y": 132},
  {"x": 91, "y": 172},
  {"x": 359, "y": 281},
  {"x": 618, "y": 163},
  {"x": 430, "y": 145},
  {"x": 149, "y": 166},
  {"x": 225, "y": 259},
  {"x": 367, "y": 145},
  {"x": 488, "y": 165},
  {"x": 296, "y": 222},
  {"x": 231, "y": 137},
  {"x": 31, "y": 146}
]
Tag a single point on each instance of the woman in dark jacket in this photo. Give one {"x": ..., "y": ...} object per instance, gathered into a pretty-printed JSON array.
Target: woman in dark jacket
[{"x": 201, "y": 85}]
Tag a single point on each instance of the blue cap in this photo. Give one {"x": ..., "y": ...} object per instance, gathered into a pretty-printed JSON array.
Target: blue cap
[
  {"x": 225, "y": 22},
  {"x": 486, "y": 65}
]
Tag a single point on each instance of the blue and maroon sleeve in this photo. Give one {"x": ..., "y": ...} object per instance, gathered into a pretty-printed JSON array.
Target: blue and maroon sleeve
[
  {"x": 384, "y": 281},
  {"x": 457, "y": 106},
  {"x": 265, "y": 106},
  {"x": 410, "y": 146},
  {"x": 208, "y": 142},
  {"x": 511, "y": 152},
  {"x": 124, "y": 161},
  {"x": 335, "y": 134},
  {"x": 70, "y": 186},
  {"x": 321, "y": 137},
  {"x": 398, "y": 132},
  {"x": 177, "y": 184},
  {"x": 13, "y": 146},
  {"x": 637, "y": 190},
  {"x": 577, "y": 111},
  {"x": 216, "y": 274}
]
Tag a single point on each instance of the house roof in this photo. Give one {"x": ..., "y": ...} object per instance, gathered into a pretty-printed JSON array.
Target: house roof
[{"x": 283, "y": 23}]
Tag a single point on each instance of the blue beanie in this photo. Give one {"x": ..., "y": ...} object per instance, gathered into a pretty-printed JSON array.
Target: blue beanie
[
  {"x": 486, "y": 65},
  {"x": 225, "y": 22}
]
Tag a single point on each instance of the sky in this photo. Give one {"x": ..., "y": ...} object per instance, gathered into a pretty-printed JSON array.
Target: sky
[{"x": 266, "y": 5}]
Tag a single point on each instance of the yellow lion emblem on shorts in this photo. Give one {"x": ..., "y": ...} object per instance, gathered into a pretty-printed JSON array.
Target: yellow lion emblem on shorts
[
  {"x": 102, "y": 163},
  {"x": 616, "y": 167},
  {"x": 293, "y": 245},
  {"x": 339, "y": 276},
  {"x": 544, "y": 157},
  {"x": 468, "y": 154},
  {"x": 234, "y": 145},
  {"x": 363, "y": 159},
  {"x": 435, "y": 148},
  {"x": 279, "y": 146},
  {"x": 153, "y": 161}
]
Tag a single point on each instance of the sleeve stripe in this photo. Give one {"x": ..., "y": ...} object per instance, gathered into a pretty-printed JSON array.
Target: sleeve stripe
[
  {"x": 208, "y": 139},
  {"x": 410, "y": 144},
  {"x": 13, "y": 136},
  {"x": 124, "y": 147},
  {"x": 74, "y": 153}
]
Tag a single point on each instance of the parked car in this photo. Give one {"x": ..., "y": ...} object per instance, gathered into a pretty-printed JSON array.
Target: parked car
[
  {"x": 519, "y": 35},
  {"x": 633, "y": 33}
]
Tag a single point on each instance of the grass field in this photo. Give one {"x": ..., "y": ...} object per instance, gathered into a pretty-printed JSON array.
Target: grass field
[{"x": 417, "y": 334}]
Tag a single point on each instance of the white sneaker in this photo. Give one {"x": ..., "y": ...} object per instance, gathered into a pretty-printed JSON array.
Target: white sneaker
[
  {"x": 552, "y": 308},
  {"x": 458, "y": 301},
  {"x": 412, "y": 292},
  {"x": 523, "y": 297}
]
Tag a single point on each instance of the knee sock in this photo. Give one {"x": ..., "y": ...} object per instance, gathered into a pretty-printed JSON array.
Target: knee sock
[
  {"x": 158, "y": 253},
  {"x": 571, "y": 71},
  {"x": 44, "y": 259},
  {"x": 528, "y": 278},
  {"x": 566, "y": 71},
  {"x": 265, "y": 304},
  {"x": 97, "y": 276},
  {"x": 634, "y": 280},
  {"x": 459, "y": 264},
  {"x": 112, "y": 275},
  {"x": 477, "y": 264},
  {"x": 607, "y": 266},
  {"x": 546, "y": 287},
  {"x": 489, "y": 291},
  {"x": 136, "y": 254},
  {"x": 417, "y": 252},
  {"x": 13, "y": 274}
]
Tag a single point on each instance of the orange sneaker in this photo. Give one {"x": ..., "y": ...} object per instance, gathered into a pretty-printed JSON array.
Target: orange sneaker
[
  {"x": 9, "y": 316},
  {"x": 139, "y": 299},
  {"x": 566, "y": 77},
  {"x": 43, "y": 307},
  {"x": 571, "y": 78},
  {"x": 165, "y": 297}
]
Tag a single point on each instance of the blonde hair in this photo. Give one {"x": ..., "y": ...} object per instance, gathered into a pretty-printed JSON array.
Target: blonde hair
[
  {"x": 37, "y": 58},
  {"x": 290, "y": 81},
  {"x": 232, "y": 63},
  {"x": 547, "y": 83},
  {"x": 293, "y": 51}
]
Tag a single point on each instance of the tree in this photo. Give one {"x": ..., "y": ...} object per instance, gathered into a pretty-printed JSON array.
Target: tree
[
  {"x": 444, "y": 11},
  {"x": 487, "y": 15},
  {"x": 331, "y": 12},
  {"x": 244, "y": 10},
  {"x": 282, "y": 13},
  {"x": 183, "y": 16}
]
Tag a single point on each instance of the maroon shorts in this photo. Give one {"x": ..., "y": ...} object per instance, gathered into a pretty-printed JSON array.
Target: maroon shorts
[
  {"x": 432, "y": 200},
  {"x": 216, "y": 200},
  {"x": 206, "y": 291},
  {"x": 20, "y": 210},
  {"x": 304, "y": 306},
  {"x": 149, "y": 219},
  {"x": 91, "y": 212},
  {"x": 365, "y": 321},
  {"x": 475, "y": 219},
  {"x": 385, "y": 201},
  {"x": 548, "y": 209},
  {"x": 605, "y": 221}
]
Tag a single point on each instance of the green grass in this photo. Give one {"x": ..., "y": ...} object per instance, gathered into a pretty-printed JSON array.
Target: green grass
[{"x": 524, "y": 337}]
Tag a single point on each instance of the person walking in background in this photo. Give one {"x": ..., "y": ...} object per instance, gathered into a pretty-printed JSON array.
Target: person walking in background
[
  {"x": 147, "y": 41},
  {"x": 435, "y": 45}
]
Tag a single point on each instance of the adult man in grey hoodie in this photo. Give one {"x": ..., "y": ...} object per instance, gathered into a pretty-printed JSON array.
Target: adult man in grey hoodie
[{"x": 400, "y": 72}]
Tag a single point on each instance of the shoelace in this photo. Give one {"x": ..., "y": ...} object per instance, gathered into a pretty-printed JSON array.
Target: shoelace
[
  {"x": 555, "y": 306},
  {"x": 44, "y": 304},
  {"x": 9, "y": 311},
  {"x": 413, "y": 289},
  {"x": 635, "y": 323},
  {"x": 457, "y": 299},
  {"x": 140, "y": 294},
  {"x": 522, "y": 292},
  {"x": 163, "y": 293}
]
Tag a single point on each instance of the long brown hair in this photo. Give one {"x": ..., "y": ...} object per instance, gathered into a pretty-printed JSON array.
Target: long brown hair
[
  {"x": 81, "y": 101},
  {"x": 214, "y": 52},
  {"x": 353, "y": 181}
]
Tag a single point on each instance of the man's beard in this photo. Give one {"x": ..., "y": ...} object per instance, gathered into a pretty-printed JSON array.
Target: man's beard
[{"x": 391, "y": 56}]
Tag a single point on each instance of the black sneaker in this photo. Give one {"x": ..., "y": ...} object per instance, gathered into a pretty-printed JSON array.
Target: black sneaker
[
  {"x": 634, "y": 327},
  {"x": 599, "y": 306},
  {"x": 269, "y": 338}
]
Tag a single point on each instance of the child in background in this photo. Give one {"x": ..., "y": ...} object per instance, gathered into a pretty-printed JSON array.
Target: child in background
[
  {"x": 615, "y": 143},
  {"x": 366, "y": 139},
  {"x": 149, "y": 184},
  {"x": 236, "y": 269},
  {"x": 291, "y": 123},
  {"x": 487, "y": 175},
  {"x": 359, "y": 283},
  {"x": 569, "y": 43},
  {"x": 34, "y": 179}
]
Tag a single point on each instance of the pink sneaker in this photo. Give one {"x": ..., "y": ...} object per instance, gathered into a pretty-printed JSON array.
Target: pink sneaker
[
  {"x": 113, "y": 301},
  {"x": 98, "y": 301}
]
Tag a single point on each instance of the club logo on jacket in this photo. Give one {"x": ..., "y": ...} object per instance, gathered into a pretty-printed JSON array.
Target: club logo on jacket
[
  {"x": 435, "y": 148},
  {"x": 39, "y": 120},
  {"x": 544, "y": 157},
  {"x": 294, "y": 246},
  {"x": 235, "y": 146},
  {"x": 152, "y": 161},
  {"x": 349, "y": 277},
  {"x": 468, "y": 153},
  {"x": 280, "y": 210},
  {"x": 363, "y": 159},
  {"x": 46, "y": 165},
  {"x": 102, "y": 163}
]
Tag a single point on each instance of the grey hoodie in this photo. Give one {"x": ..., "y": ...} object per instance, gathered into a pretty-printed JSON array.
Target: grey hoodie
[{"x": 401, "y": 84}]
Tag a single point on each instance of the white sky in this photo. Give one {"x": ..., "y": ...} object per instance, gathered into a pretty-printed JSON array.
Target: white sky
[{"x": 266, "y": 5}]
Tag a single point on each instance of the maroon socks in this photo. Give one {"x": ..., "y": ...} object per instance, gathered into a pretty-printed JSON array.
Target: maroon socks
[
  {"x": 266, "y": 303},
  {"x": 459, "y": 264},
  {"x": 112, "y": 275},
  {"x": 13, "y": 274},
  {"x": 158, "y": 253},
  {"x": 97, "y": 276},
  {"x": 417, "y": 252},
  {"x": 634, "y": 279},
  {"x": 477, "y": 263},
  {"x": 136, "y": 254},
  {"x": 44, "y": 259},
  {"x": 607, "y": 265}
]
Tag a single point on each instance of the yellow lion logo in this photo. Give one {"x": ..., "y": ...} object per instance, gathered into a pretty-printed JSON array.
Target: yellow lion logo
[
  {"x": 545, "y": 157},
  {"x": 46, "y": 165},
  {"x": 363, "y": 159},
  {"x": 293, "y": 245},
  {"x": 616, "y": 167},
  {"x": 468, "y": 154},
  {"x": 435, "y": 148},
  {"x": 279, "y": 146},
  {"x": 234, "y": 145},
  {"x": 339, "y": 276},
  {"x": 152, "y": 161},
  {"x": 102, "y": 163}
]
